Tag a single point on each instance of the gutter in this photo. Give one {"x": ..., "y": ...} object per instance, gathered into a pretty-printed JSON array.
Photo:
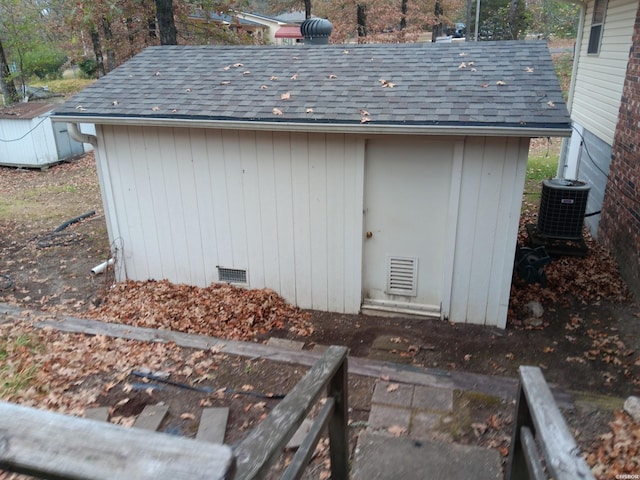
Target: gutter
[
  {"x": 78, "y": 136},
  {"x": 439, "y": 130},
  {"x": 576, "y": 54}
]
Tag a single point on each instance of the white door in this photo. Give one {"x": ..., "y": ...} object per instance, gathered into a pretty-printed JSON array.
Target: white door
[{"x": 407, "y": 183}]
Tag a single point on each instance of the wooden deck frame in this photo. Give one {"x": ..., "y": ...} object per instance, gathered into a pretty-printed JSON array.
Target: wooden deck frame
[
  {"x": 541, "y": 440},
  {"x": 52, "y": 445}
]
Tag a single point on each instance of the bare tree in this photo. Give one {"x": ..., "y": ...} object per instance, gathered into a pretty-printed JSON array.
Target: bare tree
[{"x": 6, "y": 83}]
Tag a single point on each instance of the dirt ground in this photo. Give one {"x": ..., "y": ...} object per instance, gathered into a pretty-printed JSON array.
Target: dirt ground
[{"x": 587, "y": 341}]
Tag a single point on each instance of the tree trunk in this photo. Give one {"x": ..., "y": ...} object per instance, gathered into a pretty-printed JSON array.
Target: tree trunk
[
  {"x": 513, "y": 20},
  {"x": 467, "y": 27},
  {"x": 6, "y": 83},
  {"x": 97, "y": 50},
  {"x": 166, "y": 23},
  {"x": 108, "y": 36},
  {"x": 307, "y": 9},
  {"x": 437, "y": 27},
  {"x": 403, "y": 15},
  {"x": 362, "y": 21}
]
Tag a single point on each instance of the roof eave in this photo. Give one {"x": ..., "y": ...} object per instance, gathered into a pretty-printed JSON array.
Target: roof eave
[{"x": 559, "y": 130}]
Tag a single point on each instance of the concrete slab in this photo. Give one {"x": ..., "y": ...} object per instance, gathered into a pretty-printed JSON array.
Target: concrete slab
[
  {"x": 151, "y": 417},
  {"x": 383, "y": 416},
  {"x": 213, "y": 425},
  {"x": 432, "y": 398},
  {"x": 422, "y": 423},
  {"x": 381, "y": 457},
  {"x": 284, "y": 343},
  {"x": 300, "y": 434},
  {"x": 391, "y": 393},
  {"x": 98, "y": 413}
]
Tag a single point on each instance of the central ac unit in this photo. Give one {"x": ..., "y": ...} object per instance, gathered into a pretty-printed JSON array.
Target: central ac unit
[{"x": 562, "y": 208}]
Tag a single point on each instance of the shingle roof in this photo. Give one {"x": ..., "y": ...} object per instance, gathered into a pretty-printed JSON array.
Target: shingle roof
[{"x": 497, "y": 84}]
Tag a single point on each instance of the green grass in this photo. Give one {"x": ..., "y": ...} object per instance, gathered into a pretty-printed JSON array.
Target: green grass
[
  {"x": 541, "y": 167},
  {"x": 65, "y": 87},
  {"x": 17, "y": 370}
]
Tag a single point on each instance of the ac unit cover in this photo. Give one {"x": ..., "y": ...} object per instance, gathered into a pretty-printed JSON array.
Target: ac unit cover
[{"x": 562, "y": 208}]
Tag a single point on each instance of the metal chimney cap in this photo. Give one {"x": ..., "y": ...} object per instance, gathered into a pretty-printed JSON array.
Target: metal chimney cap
[{"x": 316, "y": 28}]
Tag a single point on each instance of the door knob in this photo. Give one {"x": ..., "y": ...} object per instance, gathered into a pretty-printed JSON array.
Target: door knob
[{"x": 369, "y": 234}]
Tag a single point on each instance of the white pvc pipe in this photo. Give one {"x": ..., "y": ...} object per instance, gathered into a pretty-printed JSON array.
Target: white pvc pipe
[{"x": 103, "y": 266}]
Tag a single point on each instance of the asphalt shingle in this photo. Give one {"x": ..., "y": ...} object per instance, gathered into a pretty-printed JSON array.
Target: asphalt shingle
[{"x": 507, "y": 84}]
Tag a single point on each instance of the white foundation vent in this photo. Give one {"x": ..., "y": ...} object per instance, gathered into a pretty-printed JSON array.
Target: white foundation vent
[
  {"x": 402, "y": 276},
  {"x": 232, "y": 275}
]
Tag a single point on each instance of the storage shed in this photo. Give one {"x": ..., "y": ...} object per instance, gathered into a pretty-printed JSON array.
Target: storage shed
[
  {"x": 384, "y": 177},
  {"x": 29, "y": 139}
]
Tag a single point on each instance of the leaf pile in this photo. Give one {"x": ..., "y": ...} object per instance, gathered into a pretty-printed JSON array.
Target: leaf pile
[
  {"x": 588, "y": 279},
  {"x": 219, "y": 310},
  {"x": 617, "y": 453}
]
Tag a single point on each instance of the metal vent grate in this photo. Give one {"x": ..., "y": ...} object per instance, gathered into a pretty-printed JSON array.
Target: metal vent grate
[
  {"x": 232, "y": 275},
  {"x": 402, "y": 276}
]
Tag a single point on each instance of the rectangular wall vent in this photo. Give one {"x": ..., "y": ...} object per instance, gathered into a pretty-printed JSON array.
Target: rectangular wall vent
[
  {"x": 402, "y": 276},
  {"x": 232, "y": 275}
]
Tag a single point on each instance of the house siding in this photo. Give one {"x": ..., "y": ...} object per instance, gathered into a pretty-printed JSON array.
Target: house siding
[
  {"x": 491, "y": 183},
  {"x": 600, "y": 78},
  {"x": 29, "y": 142},
  {"x": 287, "y": 207},
  {"x": 620, "y": 224}
]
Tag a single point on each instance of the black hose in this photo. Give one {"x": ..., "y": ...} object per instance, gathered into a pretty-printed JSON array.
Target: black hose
[
  {"x": 75, "y": 220},
  {"x": 150, "y": 376},
  {"x": 592, "y": 214}
]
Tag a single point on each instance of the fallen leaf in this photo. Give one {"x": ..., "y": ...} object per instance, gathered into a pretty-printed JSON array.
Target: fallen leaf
[
  {"x": 309, "y": 110},
  {"x": 365, "y": 120},
  {"x": 114, "y": 103},
  {"x": 155, "y": 109},
  {"x": 467, "y": 357},
  {"x": 484, "y": 85},
  {"x": 285, "y": 96},
  {"x": 393, "y": 387},
  {"x": 157, "y": 74},
  {"x": 273, "y": 78},
  {"x": 294, "y": 76},
  {"x": 396, "y": 430},
  {"x": 346, "y": 52},
  {"x": 238, "y": 65},
  {"x": 331, "y": 77},
  {"x": 263, "y": 87},
  {"x": 528, "y": 69},
  {"x": 548, "y": 350},
  {"x": 246, "y": 72},
  {"x": 188, "y": 90},
  {"x": 228, "y": 67},
  {"x": 187, "y": 416},
  {"x": 462, "y": 65},
  {"x": 551, "y": 104},
  {"x": 501, "y": 83},
  {"x": 277, "y": 111},
  {"x": 246, "y": 387},
  {"x": 474, "y": 69},
  {"x": 462, "y": 54}
]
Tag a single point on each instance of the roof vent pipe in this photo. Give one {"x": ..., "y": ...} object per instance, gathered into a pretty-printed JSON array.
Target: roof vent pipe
[{"x": 316, "y": 31}]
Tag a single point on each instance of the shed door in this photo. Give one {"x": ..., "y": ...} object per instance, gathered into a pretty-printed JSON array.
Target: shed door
[{"x": 407, "y": 183}]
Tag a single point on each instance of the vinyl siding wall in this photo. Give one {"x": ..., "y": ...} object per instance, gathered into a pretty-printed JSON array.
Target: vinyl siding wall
[
  {"x": 285, "y": 207},
  {"x": 600, "y": 78},
  {"x": 288, "y": 208}
]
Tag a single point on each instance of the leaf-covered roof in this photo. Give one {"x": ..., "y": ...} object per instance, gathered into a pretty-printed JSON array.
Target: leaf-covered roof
[{"x": 491, "y": 84}]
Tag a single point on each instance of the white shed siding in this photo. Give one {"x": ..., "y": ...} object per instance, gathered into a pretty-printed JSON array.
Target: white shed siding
[
  {"x": 285, "y": 207},
  {"x": 28, "y": 142},
  {"x": 491, "y": 186},
  {"x": 600, "y": 78}
]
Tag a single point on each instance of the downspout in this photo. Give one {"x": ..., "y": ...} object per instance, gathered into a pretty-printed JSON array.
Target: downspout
[
  {"x": 564, "y": 148},
  {"x": 78, "y": 136}
]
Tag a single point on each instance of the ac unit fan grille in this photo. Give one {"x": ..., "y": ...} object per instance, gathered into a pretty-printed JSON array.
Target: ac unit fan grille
[{"x": 562, "y": 207}]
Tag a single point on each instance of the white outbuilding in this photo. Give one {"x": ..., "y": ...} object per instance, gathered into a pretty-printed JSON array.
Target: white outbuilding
[{"x": 383, "y": 177}]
